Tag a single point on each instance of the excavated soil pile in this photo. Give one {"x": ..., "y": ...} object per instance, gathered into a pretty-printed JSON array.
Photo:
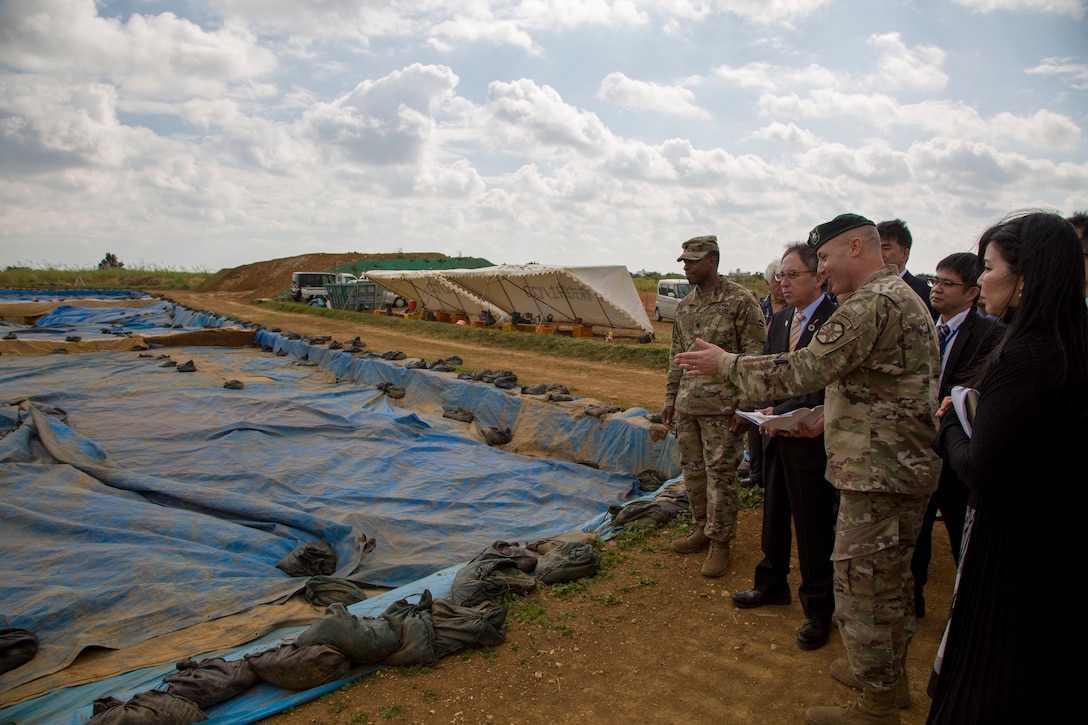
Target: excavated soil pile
[{"x": 268, "y": 279}]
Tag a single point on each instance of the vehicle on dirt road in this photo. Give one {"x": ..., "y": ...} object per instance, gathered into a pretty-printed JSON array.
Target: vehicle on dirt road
[{"x": 306, "y": 286}]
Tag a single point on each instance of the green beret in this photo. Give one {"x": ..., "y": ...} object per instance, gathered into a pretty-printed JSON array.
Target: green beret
[
  {"x": 829, "y": 230},
  {"x": 698, "y": 247}
]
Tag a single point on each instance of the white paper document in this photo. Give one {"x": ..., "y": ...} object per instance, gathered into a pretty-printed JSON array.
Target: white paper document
[
  {"x": 786, "y": 421},
  {"x": 965, "y": 401}
]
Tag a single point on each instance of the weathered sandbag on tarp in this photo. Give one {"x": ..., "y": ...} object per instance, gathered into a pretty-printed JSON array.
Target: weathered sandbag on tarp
[
  {"x": 210, "y": 681},
  {"x": 543, "y": 546},
  {"x": 295, "y": 667},
  {"x": 479, "y": 581},
  {"x": 17, "y": 647},
  {"x": 457, "y": 628},
  {"x": 154, "y": 707},
  {"x": 523, "y": 558},
  {"x": 414, "y": 628},
  {"x": 362, "y": 639},
  {"x": 570, "y": 562},
  {"x": 309, "y": 559},
  {"x": 321, "y": 591}
]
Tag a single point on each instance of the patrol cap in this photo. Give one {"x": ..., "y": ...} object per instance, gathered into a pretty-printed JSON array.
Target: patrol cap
[
  {"x": 829, "y": 230},
  {"x": 698, "y": 247}
]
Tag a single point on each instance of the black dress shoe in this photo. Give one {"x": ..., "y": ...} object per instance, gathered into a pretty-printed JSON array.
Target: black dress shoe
[
  {"x": 752, "y": 598},
  {"x": 814, "y": 633}
]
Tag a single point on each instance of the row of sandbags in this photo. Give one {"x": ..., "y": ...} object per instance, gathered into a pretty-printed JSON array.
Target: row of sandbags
[{"x": 404, "y": 634}]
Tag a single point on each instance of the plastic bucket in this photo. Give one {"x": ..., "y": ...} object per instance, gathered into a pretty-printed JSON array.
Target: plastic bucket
[{"x": 411, "y": 305}]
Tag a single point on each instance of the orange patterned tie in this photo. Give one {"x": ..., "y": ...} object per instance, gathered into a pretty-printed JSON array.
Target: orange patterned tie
[{"x": 795, "y": 331}]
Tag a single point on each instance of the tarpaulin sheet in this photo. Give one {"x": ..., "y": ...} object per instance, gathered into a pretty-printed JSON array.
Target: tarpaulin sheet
[{"x": 139, "y": 500}]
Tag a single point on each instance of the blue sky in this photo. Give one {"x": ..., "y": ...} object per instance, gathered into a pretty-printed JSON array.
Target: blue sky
[{"x": 581, "y": 132}]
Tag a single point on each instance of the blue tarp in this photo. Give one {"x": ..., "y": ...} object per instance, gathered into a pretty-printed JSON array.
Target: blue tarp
[{"x": 138, "y": 500}]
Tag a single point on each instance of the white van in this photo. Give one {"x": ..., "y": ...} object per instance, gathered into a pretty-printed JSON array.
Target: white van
[{"x": 669, "y": 294}]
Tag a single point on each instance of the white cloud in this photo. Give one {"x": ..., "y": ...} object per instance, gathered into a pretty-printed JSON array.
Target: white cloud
[
  {"x": 634, "y": 95},
  {"x": 1073, "y": 8},
  {"x": 534, "y": 121},
  {"x": 912, "y": 69},
  {"x": 768, "y": 77},
  {"x": 385, "y": 121},
  {"x": 786, "y": 134},
  {"x": 1077, "y": 73},
  {"x": 149, "y": 56}
]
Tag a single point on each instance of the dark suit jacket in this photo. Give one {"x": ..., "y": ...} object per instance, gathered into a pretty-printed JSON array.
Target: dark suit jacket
[
  {"x": 975, "y": 339},
  {"x": 921, "y": 288},
  {"x": 778, "y": 340}
]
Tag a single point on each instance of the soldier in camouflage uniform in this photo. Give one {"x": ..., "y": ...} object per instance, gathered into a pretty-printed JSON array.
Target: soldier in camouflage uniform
[
  {"x": 709, "y": 436},
  {"x": 878, "y": 358}
]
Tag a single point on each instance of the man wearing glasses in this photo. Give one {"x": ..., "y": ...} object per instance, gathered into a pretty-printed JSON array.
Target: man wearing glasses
[
  {"x": 795, "y": 489},
  {"x": 965, "y": 339}
]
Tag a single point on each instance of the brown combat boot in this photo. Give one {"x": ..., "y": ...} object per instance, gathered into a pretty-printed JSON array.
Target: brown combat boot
[
  {"x": 693, "y": 542},
  {"x": 717, "y": 561},
  {"x": 844, "y": 673},
  {"x": 872, "y": 708}
]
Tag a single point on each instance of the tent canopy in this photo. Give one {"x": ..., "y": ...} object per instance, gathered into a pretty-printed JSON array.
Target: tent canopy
[
  {"x": 601, "y": 296},
  {"x": 430, "y": 288}
]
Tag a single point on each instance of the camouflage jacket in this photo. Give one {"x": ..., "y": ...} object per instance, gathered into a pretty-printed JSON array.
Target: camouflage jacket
[
  {"x": 728, "y": 316},
  {"x": 878, "y": 358}
]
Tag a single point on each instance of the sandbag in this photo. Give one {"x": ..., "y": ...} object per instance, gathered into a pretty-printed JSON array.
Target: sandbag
[
  {"x": 309, "y": 559},
  {"x": 363, "y": 640},
  {"x": 321, "y": 591},
  {"x": 295, "y": 667},
  {"x": 154, "y": 707},
  {"x": 414, "y": 628},
  {"x": 523, "y": 558},
  {"x": 570, "y": 562},
  {"x": 479, "y": 581},
  {"x": 457, "y": 628},
  {"x": 210, "y": 681},
  {"x": 17, "y": 647},
  {"x": 543, "y": 546}
]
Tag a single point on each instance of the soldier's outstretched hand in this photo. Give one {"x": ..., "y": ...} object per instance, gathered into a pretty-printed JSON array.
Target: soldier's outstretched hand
[{"x": 701, "y": 361}]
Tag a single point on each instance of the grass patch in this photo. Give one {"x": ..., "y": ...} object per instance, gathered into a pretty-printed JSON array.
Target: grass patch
[{"x": 143, "y": 277}]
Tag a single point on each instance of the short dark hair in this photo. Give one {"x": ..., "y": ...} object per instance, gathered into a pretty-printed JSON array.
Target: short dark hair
[
  {"x": 808, "y": 255},
  {"x": 897, "y": 231},
  {"x": 964, "y": 265}
]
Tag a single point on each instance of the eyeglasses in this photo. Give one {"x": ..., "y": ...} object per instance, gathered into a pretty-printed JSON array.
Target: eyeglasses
[
  {"x": 779, "y": 276},
  {"x": 949, "y": 283}
]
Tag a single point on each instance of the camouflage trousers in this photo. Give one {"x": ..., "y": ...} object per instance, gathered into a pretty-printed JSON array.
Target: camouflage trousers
[
  {"x": 875, "y": 538},
  {"x": 709, "y": 456}
]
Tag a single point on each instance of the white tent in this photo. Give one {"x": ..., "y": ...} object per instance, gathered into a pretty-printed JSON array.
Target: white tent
[
  {"x": 430, "y": 289},
  {"x": 600, "y": 296}
]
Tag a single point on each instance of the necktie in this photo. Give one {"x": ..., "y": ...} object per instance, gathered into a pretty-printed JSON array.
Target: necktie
[
  {"x": 795, "y": 330},
  {"x": 943, "y": 331}
]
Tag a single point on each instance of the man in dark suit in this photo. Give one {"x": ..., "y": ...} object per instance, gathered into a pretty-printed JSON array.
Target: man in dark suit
[
  {"x": 965, "y": 338},
  {"x": 794, "y": 466},
  {"x": 895, "y": 244}
]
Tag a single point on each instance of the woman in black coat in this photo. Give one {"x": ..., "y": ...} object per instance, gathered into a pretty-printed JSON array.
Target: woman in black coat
[{"x": 1015, "y": 639}]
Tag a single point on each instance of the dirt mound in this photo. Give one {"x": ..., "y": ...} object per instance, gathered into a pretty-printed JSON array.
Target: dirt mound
[{"x": 268, "y": 279}]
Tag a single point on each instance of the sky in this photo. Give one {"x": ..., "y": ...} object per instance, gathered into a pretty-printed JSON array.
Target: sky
[{"x": 201, "y": 134}]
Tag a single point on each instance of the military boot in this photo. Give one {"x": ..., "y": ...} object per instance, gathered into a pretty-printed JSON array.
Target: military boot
[
  {"x": 844, "y": 673},
  {"x": 693, "y": 542},
  {"x": 717, "y": 561},
  {"x": 872, "y": 708}
]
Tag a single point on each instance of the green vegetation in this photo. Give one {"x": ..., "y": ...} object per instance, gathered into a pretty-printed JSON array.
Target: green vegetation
[
  {"x": 106, "y": 277},
  {"x": 391, "y": 712}
]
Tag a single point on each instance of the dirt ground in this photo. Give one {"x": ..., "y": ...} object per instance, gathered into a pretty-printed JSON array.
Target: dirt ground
[{"x": 654, "y": 642}]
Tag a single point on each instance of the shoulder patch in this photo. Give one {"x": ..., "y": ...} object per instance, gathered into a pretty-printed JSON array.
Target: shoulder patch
[{"x": 831, "y": 331}]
